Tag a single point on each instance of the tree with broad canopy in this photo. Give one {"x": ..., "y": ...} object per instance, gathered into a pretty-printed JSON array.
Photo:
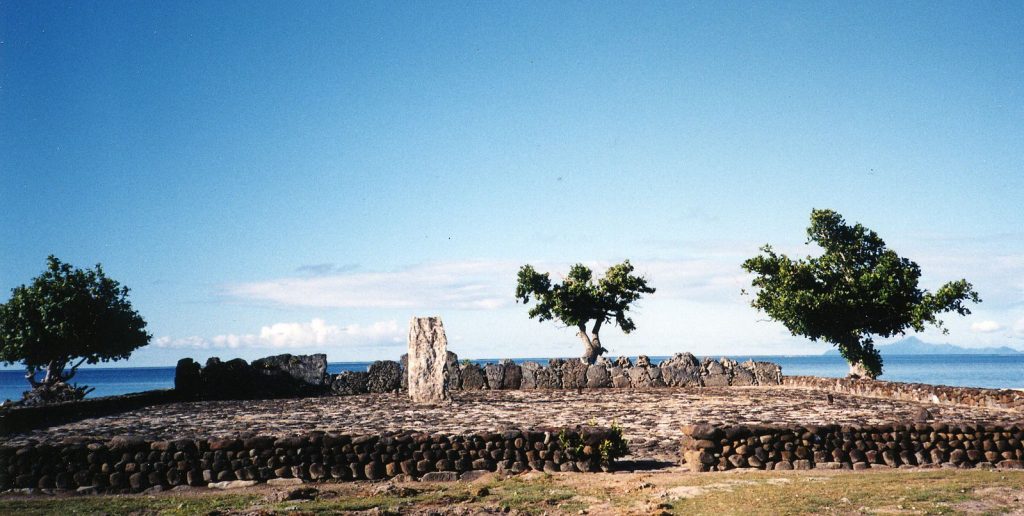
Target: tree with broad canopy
[
  {"x": 578, "y": 300},
  {"x": 855, "y": 289},
  {"x": 68, "y": 314}
]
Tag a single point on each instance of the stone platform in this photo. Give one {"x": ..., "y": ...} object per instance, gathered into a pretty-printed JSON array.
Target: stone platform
[{"x": 651, "y": 419}]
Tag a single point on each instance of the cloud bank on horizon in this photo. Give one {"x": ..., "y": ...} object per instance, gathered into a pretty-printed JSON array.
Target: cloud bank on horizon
[{"x": 702, "y": 292}]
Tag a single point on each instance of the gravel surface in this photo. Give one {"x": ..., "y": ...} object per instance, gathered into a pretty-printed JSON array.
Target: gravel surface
[{"x": 650, "y": 418}]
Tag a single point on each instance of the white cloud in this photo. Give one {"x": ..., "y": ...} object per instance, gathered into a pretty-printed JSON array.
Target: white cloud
[
  {"x": 481, "y": 285},
  {"x": 186, "y": 342},
  {"x": 316, "y": 333},
  {"x": 448, "y": 285},
  {"x": 986, "y": 327}
]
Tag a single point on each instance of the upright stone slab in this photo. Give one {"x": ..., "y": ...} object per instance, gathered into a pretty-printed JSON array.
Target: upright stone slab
[{"x": 428, "y": 354}]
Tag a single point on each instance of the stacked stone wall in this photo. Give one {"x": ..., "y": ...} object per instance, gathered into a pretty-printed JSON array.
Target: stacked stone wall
[
  {"x": 719, "y": 448},
  {"x": 938, "y": 394},
  {"x": 132, "y": 464},
  {"x": 14, "y": 419},
  {"x": 681, "y": 370}
]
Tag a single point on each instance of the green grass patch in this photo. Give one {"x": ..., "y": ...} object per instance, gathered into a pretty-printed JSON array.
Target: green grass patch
[
  {"x": 909, "y": 492},
  {"x": 912, "y": 492},
  {"x": 127, "y": 504}
]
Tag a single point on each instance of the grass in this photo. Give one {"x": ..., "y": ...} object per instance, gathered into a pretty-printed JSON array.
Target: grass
[{"x": 675, "y": 492}]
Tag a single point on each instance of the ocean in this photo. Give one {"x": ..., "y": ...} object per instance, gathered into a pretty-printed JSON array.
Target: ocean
[{"x": 993, "y": 371}]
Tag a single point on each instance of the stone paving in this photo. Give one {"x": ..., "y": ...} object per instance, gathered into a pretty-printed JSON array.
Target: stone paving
[{"x": 651, "y": 419}]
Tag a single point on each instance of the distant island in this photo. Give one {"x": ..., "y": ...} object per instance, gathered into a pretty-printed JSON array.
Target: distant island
[{"x": 915, "y": 346}]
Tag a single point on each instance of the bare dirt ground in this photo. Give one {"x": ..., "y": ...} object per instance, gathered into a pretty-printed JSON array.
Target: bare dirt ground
[
  {"x": 668, "y": 491},
  {"x": 650, "y": 419}
]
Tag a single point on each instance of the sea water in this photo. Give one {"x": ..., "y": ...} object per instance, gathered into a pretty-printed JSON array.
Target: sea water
[{"x": 992, "y": 371}]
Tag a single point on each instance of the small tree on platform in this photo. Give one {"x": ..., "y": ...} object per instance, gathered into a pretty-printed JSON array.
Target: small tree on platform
[
  {"x": 855, "y": 289},
  {"x": 578, "y": 300},
  {"x": 66, "y": 317}
]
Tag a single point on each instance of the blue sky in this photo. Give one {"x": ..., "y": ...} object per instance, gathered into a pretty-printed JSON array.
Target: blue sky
[{"x": 305, "y": 177}]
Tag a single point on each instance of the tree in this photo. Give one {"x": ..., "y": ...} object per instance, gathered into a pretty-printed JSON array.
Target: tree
[
  {"x": 578, "y": 300},
  {"x": 68, "y": 314},
  {"x": 855, "y": 289}
]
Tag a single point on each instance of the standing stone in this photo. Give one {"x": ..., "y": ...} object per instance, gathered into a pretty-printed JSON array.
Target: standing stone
[
  {"x": 187, "y": 378},
  {"x": 473, "y": 377},
  {"x": 384, "y": 376},
  {"x": 529, "y": 370},
  {"x": 495, "y": 376},
  {"x": 454, "y": 373},
  {"x": 428, "y": 357}
]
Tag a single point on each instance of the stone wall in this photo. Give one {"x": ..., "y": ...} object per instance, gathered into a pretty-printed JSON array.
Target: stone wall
[
  {"x": 277, "y": 376},
  {"x": 937, "y": 394},
  {"x": 682, "y": 370},
  {"x": 133, "y": 464},
  {"x": 718, "y": 448},
  {"x": 17, "y": 418}
]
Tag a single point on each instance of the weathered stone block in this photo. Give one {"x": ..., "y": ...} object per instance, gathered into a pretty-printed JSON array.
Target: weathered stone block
[
  {"x": 384, "y": 376},
  {"x": 350, "y": 382},
  {"x": 495, "y": 376},
  {"x": 529, "y": 370},
  {"x": 598, "y": 376},
  {"x": 473, "y": 377},
  {"x": 187, "y": 379},
  {"x": 512, "y": 377},
  {"x": 428, "y": 355},
  {"x": 574, "y": 374}
]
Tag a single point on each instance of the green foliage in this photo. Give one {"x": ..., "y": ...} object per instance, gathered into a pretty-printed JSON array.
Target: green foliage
[
  {"x": 579, "y": 299},
  {"x": 571, "y": 442},
  {"x": 610, "y": 448},
  {"x": 855, "y": 289},
  {"x": 615, "y": 446},
  {"x": 68, "y": 313}
]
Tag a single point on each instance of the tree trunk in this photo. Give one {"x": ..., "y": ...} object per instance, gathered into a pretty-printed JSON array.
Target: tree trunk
[
  {"x": 591, "y": 343},
  {"x": 54, "y": 372},
  {"x": 859, "y": 370}
]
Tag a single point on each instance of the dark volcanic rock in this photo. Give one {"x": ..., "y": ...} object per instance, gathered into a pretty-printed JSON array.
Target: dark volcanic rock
[
  {"x": 290, "y": 375},
  {"x": 227, "y": 380},
  {"x": 682, "y": 369},
  {"x": 404, "y": 362},
  {"x": 548, "y": 378},
  {"x": 270, "y": 377},
  {"x": 350, "y": 382},
  {"x": 187, "y": 377},
  {"x": 574, "y": 374},
  {"x": 640, "y": 377},
  {"x": 766, "y": 373},
  {"x": 715, "y": 373},
  {"x": 598, "y": 376},
  {"x": 530, "y": 370},
  {"x": 620, "y": 378},
  {"x": 384, "y": 376},
  {"x": 495, "y": 376},
  {"x": 473, "y": 377},
  {"x": 454, "y": 372},
  {"x": 513, "y": 375},
  {"x": 742, "y": 376}
]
